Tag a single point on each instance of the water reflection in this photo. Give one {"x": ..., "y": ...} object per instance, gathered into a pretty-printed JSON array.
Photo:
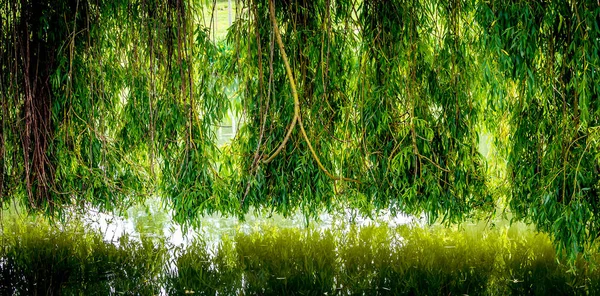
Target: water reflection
[
  {"x": 152, "y": 220},
  {"x": 144, "y": 253}
]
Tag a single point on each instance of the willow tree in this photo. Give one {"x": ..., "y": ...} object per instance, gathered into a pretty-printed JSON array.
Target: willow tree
[
  {"x": 544, "y": 65},
  {"x": 373, "y": 104},
  {"x": 105, "y": 103}
]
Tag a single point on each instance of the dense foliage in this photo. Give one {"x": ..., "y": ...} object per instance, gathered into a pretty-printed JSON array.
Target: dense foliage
[
  {"x": 375, "y": 104},
  {"x": 38, "y": 258},
  {"x": 548, "y": 84}
]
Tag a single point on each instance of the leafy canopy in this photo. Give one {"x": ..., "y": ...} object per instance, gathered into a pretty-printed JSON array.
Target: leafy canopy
[{"x": 372, "y": 104}]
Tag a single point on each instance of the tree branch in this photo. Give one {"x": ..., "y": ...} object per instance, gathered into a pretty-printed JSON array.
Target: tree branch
[
  {"x": 296, "y": 104},
  {"x": 288, "y": 69}
]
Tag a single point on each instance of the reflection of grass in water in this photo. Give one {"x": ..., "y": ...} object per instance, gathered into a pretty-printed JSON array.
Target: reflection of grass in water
[
  {"x": 383, "y": 260},
  {"x": 43, "y": 259},
  {"x": 150, "y": 218},
  {"x": 69, "y": 258}
]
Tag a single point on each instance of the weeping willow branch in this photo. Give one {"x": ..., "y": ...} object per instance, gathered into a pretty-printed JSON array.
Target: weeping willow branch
[
  {"x": 292, "y": 85},
  {"x": 256, "y": 158},
  {"x": 296, "y": 118}
]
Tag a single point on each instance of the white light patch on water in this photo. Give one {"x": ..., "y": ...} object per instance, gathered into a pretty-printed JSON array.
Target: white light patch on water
[{"x": 153, "y": 221}]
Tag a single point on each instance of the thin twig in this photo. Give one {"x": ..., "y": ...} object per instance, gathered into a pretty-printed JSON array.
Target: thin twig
[{"x": 433, "y": 162}]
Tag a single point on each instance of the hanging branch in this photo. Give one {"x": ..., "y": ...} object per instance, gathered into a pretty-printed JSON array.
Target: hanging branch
[
  {"x": 256, "y": 158},
  {"x": 296, "y": 105},
  {"x": 292, "y": 85},
  {"x": 37, "y": 61}
]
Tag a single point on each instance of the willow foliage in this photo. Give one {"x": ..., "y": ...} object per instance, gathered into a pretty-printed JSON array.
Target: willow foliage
[
  {"x": 547, "y": 57},
  {"x": 375, "y": 104}
]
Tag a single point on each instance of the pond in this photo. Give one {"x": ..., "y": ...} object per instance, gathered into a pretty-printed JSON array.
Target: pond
[
  {"x": 114, "y": 254},
  {"x": 342, "y": 254},
  {"x": 152, "y": 220}
]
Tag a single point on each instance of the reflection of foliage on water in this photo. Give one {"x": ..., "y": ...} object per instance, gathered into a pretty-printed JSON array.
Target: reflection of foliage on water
[
  {"x": 150, "y": 218},
  {"x": 383, "y": 260},
  {"x": 38, "y": 258},
  {"x": 68, "y": 258},
  {"x": 202, "y": 272}
]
